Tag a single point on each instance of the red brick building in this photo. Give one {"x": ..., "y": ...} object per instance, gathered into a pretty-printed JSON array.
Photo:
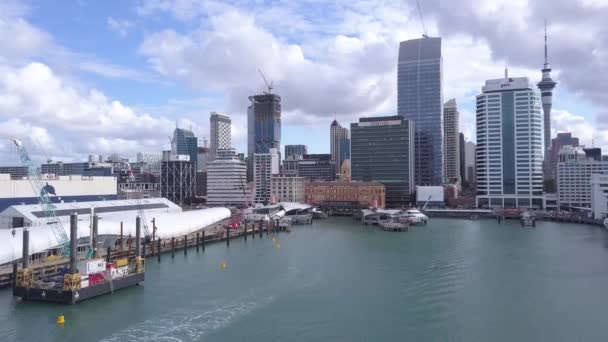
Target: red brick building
[{"x": 344, "y": 197}]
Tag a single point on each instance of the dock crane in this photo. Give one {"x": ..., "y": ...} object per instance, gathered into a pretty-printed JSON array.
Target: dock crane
[
  {"x": 42, "y": 191},
  {"x": 425, "y": 34},
  {"x": 269, "y": 86}
]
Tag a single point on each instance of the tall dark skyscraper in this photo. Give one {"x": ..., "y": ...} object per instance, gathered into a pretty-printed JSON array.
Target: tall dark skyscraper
[
  {"x": 264, "y": 122},
  {"x": 292, "y": 150},
  {"x": 546, "y": 86},
  {"x": 382, "y": 151},
  {"x": 420, "y": 99}
]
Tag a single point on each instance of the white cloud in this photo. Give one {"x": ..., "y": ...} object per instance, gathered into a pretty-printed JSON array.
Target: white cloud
[
  {"x": 119, "y": 26},
  {"x": 588, "y": 134},
  {"x": 35, "y": 101}
]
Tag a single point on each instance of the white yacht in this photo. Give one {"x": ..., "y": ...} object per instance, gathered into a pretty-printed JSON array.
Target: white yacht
[{"x": 413, "y": 216}]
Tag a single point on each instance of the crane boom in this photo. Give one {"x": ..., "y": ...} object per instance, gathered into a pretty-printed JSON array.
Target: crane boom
[
  {"x": 425, "y": 34},
  {"x": 268, "y": 85},
  {"x": 44, "y": 198}
]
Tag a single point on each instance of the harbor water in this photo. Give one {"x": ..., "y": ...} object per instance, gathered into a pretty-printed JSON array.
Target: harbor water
[{"x": 337, "y": 280}]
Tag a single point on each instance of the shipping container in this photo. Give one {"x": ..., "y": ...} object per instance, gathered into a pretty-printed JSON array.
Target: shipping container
[{"x": 92, "y": 266}]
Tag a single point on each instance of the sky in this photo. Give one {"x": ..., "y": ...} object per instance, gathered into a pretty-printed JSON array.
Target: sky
[{"x": 99, "y": 77}]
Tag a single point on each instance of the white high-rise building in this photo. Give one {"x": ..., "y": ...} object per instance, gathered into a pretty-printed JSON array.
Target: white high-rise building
[
  {"x": 227, "y": 180},
  {"x": 451, "y": 141},
  {"x": 265, "y": 166},
  {"x": 219, "y": 125},
  {"x": 574, "y": 171},
  {"x": 509, "y": 145},
  {"x": 599, "y": 195}
]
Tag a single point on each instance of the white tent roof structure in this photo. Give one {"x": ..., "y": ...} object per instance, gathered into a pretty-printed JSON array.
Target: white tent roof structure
[{"x": 169, "y": 224}]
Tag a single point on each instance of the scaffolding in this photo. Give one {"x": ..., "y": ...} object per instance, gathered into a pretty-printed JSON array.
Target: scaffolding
[{"x": 178, "y": 181}]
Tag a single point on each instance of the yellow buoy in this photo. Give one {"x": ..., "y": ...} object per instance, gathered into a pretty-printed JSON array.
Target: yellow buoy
[
  {"x": 278, "y": 245},
  {"x": 61, "y": 319},
  {"x": 223, "y": 265}
]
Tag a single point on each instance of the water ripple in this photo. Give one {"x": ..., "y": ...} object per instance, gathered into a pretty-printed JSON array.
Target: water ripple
[{"x": 189, "y": 325}]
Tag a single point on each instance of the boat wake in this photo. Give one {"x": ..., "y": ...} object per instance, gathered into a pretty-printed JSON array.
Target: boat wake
[{"x": 189, "y": 325}]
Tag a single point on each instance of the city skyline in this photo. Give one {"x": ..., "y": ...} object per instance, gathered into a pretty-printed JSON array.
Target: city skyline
[{"x": 124, "y": 93}]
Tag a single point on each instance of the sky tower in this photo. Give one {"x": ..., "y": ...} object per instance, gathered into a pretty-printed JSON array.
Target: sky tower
[{"x": 546, "y": 86}]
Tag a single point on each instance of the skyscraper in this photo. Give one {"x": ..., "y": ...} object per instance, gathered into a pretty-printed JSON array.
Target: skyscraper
[
  {"x": 509, "y": 145},
  {"x": 451, "y": 142},
  {"x": 382, "y": 150},
  {"x": 337, "y": 133},
  {"x": 219, "y": 125},
  {"x": 420, "y": 99},
  {"x": 263, "y": 126},
  {"x": 546, "y": 86},
  {"x": 184, "y": 142}
]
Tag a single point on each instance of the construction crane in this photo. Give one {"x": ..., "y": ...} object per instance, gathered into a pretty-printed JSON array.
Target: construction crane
[
  {"x": 269, "y": 86},
  {"x": 42, "y": 191},
  {"x": 137, "y": 198},
  {"x": 425, "y": 34}
]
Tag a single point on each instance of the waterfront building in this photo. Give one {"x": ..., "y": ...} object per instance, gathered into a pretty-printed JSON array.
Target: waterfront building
[
  {"x": 451, "y": 153},
  {"x": 382, "y": 150},
  {"x": 287, "y": 189},
  {"x": 316, "y": 167},
  {"x": 73, "y": 188},
  {"x": 67, "y": 169},
  {"x": 266, "y": 165},
  {"x": 599, "y": 195},
  {"x": 178, "y": 179},
  {"x": 15, "y": 172},
  {"x": 420, "y": 99},
  {"x": 184, "y": 142},
  {"x": 561, "y": 140},
  {"x": 220, "y": 133},
  {"x": 345, "y": 197},
  {"x": 337, "y": 135},
  {"x": 226, "y": 180},
  {"x": 295, "y": 150},
  {"x": 509, "y": 164},
  {"x": 574, "y": 171}
]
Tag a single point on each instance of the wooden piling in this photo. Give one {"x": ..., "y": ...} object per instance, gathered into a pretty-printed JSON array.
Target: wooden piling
[
  {"x": 185, "y": 244},
  {"x": 173, "y": 247},
  {"x": 227, "y": 236},
  {"x": 245, "y": 231},
  {"x": 121, "y": 242},
  {"x": 153, "y": 235},
  {"x": 159, "y": 250},
  {"x": 203, "y": 241},
  {"x": 197, "y": 241},
  {"x": 261, "y": 227}
]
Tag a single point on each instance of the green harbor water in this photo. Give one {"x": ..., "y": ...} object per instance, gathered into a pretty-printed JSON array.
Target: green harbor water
[{"x": 336, "y": 280}]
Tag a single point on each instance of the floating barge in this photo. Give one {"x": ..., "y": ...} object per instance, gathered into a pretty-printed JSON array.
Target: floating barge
[{"x": 85, "y": 279}]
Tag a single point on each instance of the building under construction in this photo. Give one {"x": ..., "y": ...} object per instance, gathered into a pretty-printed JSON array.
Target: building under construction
[{"x": 178, "y": 179}]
